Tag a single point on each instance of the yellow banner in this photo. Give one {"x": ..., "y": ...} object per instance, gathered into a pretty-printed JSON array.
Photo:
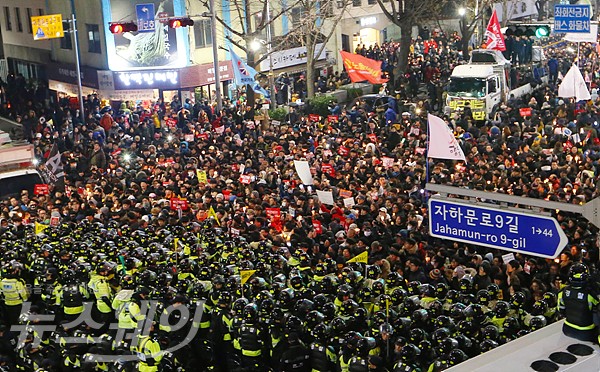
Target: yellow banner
[
  {"x": 363, "y": 257},
  {"x": 213, "y": 214},
  {"x": 202, "y": 179},
  {"x": 478, "y": 115},
  {"x": 246, "y": 274},
  {"x": 473, "y": 103},
  {"x": 47, "y": 27},
  {"x": 39, "y": 228}
]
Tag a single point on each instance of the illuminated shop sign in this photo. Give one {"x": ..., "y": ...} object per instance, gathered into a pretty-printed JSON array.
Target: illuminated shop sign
[{"x": 146, "y": 79}]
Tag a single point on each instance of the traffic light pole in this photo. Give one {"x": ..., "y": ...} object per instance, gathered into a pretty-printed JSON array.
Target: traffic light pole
[
  {"x": 77, "y": 66},
  {"x": 270, "y": 51},
  {"x": 215, "y": 50}
]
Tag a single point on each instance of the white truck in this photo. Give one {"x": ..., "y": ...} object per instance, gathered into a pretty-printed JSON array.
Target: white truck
[
  {"x": 17, "y": 167},
  {"x": 483, "y": 84}
]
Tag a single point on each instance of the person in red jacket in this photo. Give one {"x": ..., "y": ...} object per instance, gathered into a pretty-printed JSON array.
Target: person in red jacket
[{"x": 106, "y": 121}]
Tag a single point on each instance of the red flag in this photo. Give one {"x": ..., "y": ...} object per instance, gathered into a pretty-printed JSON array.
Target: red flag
[
  {"x": 495, "y": 39},
  {"x": 360, "y": 68}
]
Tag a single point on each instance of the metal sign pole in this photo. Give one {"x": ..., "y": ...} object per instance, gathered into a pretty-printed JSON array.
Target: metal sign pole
[{"x": 78, "y": 66}]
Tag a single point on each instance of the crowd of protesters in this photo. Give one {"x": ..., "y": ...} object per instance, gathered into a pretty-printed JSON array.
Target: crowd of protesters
[{"x": 117, "y": 244}]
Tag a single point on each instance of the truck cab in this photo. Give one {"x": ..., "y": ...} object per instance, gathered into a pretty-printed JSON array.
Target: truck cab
[
  {"x": 17, "y": 167},
  {"x": 482, "y": 84}
]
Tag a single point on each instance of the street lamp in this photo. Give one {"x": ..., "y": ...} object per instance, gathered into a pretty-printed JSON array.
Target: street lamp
[
  {"x": 462, "y": 12},
  {"x": 256, "y": 45}
]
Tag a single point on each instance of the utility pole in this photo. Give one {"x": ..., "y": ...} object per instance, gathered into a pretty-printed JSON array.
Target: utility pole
[
  {"x": 215, "y": 50},
  {"x": 77, "y": 63},
  {"x": 73, "y": 22},
  {"x": 269, "y": 50}
]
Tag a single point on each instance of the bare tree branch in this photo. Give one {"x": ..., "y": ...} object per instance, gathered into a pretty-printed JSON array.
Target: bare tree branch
[{"x": 228, "y": 28}]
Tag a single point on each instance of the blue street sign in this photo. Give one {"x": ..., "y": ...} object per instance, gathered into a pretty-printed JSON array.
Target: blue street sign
[
  {"x": 145, "y": 17},
  {"x": 572, "y": 18},
  {"x": 497, "y": 228}
]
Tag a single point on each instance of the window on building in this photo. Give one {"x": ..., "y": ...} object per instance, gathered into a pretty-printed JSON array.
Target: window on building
[
  {"x": 297, "y": 14},
  {"x": 356, "y": 2},
  {"x": 18, "y": 17},
  {"x": 40, "y": 12},
  {"x": 202, "y": 33},
  {"x": 371, "y": 2},
  {"x": 7, "y": 20},
  {"x": 65, "y": 41},
  {"x": 94, "y": 39},
  {"x": 29, "y": 15},
  {"x": 327, "y": 9}
]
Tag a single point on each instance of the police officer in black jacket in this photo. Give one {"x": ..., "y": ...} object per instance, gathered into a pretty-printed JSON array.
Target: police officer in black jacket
[{"x": 578, "y": 303}]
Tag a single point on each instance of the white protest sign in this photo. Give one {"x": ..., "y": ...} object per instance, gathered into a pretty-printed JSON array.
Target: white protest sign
[
  {"x": 349, "y": 202},
  {"x": 387, "y": 161},
  {"x": 325, "y": 197},
  {"x": 506, "y": 258},
  {"x": 303, "y": 170}
]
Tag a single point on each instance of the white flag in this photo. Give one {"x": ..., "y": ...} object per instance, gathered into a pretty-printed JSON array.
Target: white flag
[
  {"x": 442, "y": 144},
  {"x": 573, "y": 85}
]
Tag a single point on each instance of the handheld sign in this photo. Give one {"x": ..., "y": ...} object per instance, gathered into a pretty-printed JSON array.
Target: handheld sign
[
  {"x": 178, "y": 204},
  {"x": 41, "y": 189},
  {"x": 526, "y": 111},
  {"x": 493, "y": 227}
]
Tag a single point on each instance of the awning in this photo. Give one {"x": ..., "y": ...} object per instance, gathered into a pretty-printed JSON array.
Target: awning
[
  {"x": 70, "y": 89},
  {"x": 299, "y": 68},
  {"x": 130, "y": 95}
]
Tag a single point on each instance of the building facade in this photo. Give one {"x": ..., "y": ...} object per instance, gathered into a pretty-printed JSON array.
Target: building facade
[
  {"x": 365, "y": 24},
  {"x": 18, "y": 52},
  {"x": 156, "y": 61}
]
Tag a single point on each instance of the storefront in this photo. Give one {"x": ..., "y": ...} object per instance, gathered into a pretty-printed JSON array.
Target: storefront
[
  {"x": 62, "y": 80},
  {"x": 29, "y": 70},
  {"x": 137, "y": 85},
  {"x": 198, "y": 82},
  {"x": 293, "y": 60},
  {"x": 194, "y": 82},
  {"x": 368, "y": 30}
]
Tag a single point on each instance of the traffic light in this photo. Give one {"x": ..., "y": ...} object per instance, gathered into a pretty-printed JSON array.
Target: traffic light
[
  {"x": 542, "y": 31},
  {"x": 180, "y": 22},
  {"x": 120, "y": 27},
  {"x": 539, "y": 31}
]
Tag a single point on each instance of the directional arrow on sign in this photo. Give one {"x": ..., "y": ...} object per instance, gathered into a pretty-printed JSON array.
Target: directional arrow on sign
[{"x": 495, "y": 227}]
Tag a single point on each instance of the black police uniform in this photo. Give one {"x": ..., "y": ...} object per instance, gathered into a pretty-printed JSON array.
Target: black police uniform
[{"x": 579, "y": 307}]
